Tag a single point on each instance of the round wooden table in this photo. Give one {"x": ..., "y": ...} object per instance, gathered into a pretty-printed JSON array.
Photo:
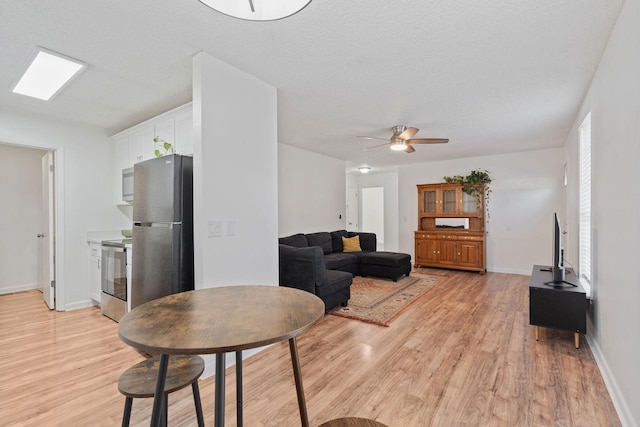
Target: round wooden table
[{"x": 221, "y": 320}]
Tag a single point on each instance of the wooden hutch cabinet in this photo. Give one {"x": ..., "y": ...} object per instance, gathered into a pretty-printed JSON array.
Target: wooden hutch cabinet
[{"x": 439, "y": 244}]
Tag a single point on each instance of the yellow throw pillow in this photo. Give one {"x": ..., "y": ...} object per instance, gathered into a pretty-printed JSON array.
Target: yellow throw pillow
[{"x": 351, "y": 244}]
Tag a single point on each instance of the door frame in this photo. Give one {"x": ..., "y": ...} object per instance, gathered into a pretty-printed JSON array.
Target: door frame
[
  {"x": 47, "y": 246},
  {"x": 59, "y": 261}
]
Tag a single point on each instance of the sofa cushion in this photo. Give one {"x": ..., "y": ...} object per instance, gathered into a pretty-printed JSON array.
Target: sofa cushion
[
  {"x": 297, "y": 241},
  {"x": 322, "y": 239},
  {"x": 351, "y": 244},
  {"x": 341, "y": 261},
  {"x": 368, "y": 241},
  {"x": 301, "y": 267},
  {"x": 336, "y": 239}
]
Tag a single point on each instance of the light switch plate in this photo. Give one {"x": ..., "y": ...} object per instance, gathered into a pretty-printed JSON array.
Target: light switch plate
[
  {"x": 231, "y": 228},
  {"x": 215, "y": 228}
]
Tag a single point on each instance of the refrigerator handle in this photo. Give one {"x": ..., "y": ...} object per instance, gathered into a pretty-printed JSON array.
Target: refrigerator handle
[{"x": 157, "y": 224}]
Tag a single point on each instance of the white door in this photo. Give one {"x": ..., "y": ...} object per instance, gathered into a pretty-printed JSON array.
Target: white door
[
  {"x": 46, "y": 247},
  {"x": 373, "y": 213},
  {"x": 352, "y": 209}
]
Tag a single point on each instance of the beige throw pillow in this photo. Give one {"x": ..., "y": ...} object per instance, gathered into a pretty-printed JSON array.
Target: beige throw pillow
[{"x": 351, "y": 244}]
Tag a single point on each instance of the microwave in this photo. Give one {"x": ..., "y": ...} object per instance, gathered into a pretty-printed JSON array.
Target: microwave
[{"x": 127, "y": 185}]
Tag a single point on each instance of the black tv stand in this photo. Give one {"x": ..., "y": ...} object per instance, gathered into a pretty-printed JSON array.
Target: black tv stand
[{"x": 557, "y": 305}]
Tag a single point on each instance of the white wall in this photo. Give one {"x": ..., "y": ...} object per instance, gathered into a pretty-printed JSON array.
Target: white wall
[
  {"x": 311, "y": 192},
  {"x": 84, "y": 157},
  {"x": 20, "y": 217},
  {"x": 527, "y": 189},
  {"x": 235, "y": 175},
  {"x": 614, "y": 321}
]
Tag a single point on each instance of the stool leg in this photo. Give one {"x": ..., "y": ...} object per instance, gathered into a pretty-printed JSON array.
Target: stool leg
[
  {"x": 156, "y": 414},
  {"x": 165, "y": 410},
  {"x": 196, "y": 399},
  {"x": 127, "y": 412}
]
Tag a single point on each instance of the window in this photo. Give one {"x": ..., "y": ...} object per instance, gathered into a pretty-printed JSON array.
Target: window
[{"x": 584, "y": 266}]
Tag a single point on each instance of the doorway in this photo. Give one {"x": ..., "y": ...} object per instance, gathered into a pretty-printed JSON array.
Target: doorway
[
  {"x": 31, "y": 260},
  {"x": 373, "y": 213}
]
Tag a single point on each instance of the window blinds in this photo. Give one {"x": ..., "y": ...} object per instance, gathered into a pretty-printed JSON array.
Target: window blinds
[{"x": 585, "y": 199}]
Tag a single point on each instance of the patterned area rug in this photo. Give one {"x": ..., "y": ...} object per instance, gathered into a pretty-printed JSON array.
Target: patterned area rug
[{"x": 379, "y": 301}]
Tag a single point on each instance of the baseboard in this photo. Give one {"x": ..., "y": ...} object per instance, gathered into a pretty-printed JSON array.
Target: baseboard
[
  {"x": 77, "y": 305},
  {"x": 21, "y": 288},
  {"x": 622, "y": 408},
  {"x": 509, "y": 271}
]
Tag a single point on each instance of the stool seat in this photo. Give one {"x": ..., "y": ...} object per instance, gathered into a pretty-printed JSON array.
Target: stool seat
[
  {"x": 352, "y": 422},
  {"x": 139, "y": 381}
]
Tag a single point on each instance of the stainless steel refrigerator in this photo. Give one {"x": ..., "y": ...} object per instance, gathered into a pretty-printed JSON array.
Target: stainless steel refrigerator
[{"x": 162, "y": 228}]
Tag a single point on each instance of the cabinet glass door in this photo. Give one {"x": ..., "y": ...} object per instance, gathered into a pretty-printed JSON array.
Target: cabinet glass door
[
  {"x": 429, "y": 198},
  {"x": 449, "y": 201},
  {"x": 469, "y": 203}
]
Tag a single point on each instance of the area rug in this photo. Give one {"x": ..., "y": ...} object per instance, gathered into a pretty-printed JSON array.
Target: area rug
[{"x": 379, "y": 301}]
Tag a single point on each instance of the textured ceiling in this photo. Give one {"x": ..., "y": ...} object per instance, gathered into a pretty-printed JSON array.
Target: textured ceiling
[{"x": 493, "y": 76}]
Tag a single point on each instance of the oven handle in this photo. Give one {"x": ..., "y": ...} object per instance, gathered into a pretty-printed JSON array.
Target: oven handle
[{"x": 113, "y": 248}]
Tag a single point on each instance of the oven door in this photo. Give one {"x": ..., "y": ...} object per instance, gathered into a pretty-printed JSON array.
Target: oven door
[{"x": 114, "y": 272}]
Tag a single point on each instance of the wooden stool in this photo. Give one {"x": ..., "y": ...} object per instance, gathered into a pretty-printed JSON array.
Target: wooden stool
[
  {"x": 352, "y": 422},
  {"x": 140, "y": 381}
]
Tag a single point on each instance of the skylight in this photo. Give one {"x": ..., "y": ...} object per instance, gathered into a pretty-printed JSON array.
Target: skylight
[{"x": 47, "y": 73}]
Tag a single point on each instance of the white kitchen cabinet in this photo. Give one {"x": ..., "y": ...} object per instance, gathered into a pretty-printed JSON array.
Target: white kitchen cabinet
[
  {"x": 184, "y": 130},
  {"x": 141, "y": 145},
  {"x": 165, "y": 131},
  {"x": 95, "y": 271}
]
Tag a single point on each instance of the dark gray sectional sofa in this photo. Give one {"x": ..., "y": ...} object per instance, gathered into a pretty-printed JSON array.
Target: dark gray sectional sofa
[{"x": 316, "y": 262}]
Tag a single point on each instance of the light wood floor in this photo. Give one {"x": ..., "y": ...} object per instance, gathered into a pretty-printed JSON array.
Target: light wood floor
[{"x": 462, "y": 355}]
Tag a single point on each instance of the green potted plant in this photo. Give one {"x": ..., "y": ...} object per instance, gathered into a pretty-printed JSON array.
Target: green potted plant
[
  {"x": 477, "y": 182},
  {"x": 164, "y": 145}
]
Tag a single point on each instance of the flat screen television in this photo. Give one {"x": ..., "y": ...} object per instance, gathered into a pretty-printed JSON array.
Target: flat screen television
[{"x": 557, "y": 266}]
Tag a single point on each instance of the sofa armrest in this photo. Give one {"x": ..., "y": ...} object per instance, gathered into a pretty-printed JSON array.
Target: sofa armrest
[
  {"x": 302, "y": 268},
  {"x": 368, "y": 241}
]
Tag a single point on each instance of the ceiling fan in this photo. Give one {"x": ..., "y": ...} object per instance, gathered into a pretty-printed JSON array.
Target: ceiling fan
[{"x": 402, "y": 139}]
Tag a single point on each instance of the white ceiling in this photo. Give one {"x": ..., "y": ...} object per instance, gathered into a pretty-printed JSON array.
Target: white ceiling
[{"x": 493, "y": 76}]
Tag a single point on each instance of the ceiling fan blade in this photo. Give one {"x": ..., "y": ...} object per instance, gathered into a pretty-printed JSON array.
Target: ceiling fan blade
[
  {"x": 428, "y": 141},
  {"x": 372, "y": 137},
  {"x": 409, "y": 149},
  {"x": 375, "y": 146},
  {"x": 408, "y": 133}
]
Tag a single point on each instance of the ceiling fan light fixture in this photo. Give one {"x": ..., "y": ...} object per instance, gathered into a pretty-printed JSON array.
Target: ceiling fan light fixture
[
  {"x": 398, "y": 144},
  {"x": 364, "y": 169},
  {"x": 257, "y": 10}
]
